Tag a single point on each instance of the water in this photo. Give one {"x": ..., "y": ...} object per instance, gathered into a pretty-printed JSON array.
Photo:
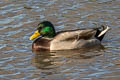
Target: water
[{"x": 18, "y": 20}]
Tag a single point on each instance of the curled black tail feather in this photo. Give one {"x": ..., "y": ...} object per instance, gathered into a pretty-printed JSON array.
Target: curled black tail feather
[
  {"x": 101, "y": 33},
  {"x": 97, "y": 33}
]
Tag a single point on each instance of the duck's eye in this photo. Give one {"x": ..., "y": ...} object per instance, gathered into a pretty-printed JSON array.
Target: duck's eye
[{"x": 40, "y": 26}]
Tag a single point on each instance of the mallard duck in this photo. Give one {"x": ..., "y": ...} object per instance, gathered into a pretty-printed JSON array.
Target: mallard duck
[{"x": 49, "y": 39}]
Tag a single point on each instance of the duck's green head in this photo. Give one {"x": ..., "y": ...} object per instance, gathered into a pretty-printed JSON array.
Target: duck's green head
[{"x": 45, "y": 29}]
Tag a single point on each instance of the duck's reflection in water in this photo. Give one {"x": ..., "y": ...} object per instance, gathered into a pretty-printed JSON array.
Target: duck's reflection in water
[
  {"x": 50, "y": 59},
  {"x": 42, "y": 59}
]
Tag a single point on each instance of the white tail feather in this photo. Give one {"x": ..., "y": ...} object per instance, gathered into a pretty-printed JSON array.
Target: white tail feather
[{"x": 104, "y": 31}]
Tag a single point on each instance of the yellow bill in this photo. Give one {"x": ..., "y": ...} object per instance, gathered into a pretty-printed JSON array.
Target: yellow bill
[{"x": 36, "y": 34}]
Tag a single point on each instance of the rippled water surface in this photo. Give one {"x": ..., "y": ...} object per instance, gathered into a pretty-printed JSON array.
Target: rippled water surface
[{"x": 18, "y": 20}]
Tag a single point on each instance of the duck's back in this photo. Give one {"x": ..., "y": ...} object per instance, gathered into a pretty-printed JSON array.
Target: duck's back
[{"x": 73, "y": 39}]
